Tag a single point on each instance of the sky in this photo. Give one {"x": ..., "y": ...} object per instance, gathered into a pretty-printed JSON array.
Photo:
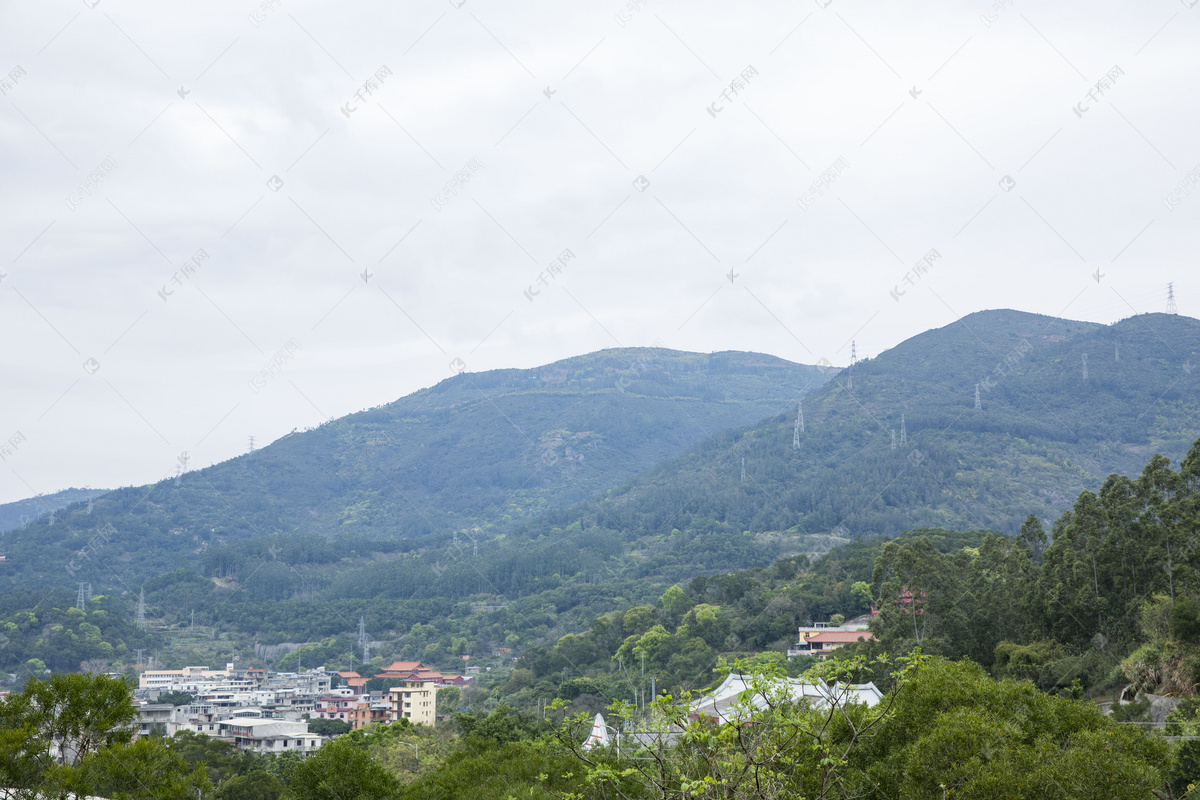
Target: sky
[{"x": 236, "y": 219}]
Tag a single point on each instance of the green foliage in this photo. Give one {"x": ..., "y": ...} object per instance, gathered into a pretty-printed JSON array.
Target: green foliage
[
  {"x": 89, "y": 719},
  {"x": 256, "y": 785},
  {"x": 175, "y": 698},
  {"x": 328, "y": 727},
  {"x": 144, "y": 770},
  {"x": 54, "y": 635},
  {"x": 503, "y": 725},
  {"x": 1185, "y": 619},
  {"x": 944, "y": 727},
  {"x": 956, "y": 728},
  {"x": 485, "y": 769},
  {"x": 220, "y": 760},
  {"x": 341, "y": 770}
]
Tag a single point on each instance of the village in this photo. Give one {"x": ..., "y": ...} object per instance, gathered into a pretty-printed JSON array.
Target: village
[
  {"x": 271, "y": 712},
  {"x": 266, "y": 712}
]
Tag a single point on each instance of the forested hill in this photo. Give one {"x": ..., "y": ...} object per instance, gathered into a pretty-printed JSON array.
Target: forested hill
[
  {"x": 1042, "y": 433},
  {"x": 22, "y": 512},
  {"x": 477, "y": 449}
]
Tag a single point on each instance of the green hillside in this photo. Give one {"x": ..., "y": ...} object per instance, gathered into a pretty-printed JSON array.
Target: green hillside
[
  {"x": 22, "y": 512},
  {"x": 1042, "y": 434},
  {"x": 476, "y": 451},
  {"x": 513, "y": 507}
]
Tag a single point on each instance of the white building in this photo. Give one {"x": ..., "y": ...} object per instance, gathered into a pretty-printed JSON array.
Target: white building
[
  {"x": 725, "y": 704},
  {"x": 261, "y": 735},
  {"x": 163, "y": 679}
]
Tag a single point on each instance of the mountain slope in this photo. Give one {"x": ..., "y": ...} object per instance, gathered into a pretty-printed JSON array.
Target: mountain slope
[
  {"x": 1041, "y": 434},
  {"x": 476, "y": 450},
  {"x": 21, "y": 512}
]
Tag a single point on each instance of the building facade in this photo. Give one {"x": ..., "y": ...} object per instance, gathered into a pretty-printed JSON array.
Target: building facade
[{"x": 414, "y": 700}]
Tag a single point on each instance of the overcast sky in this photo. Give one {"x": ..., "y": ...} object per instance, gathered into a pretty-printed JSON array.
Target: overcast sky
[{"x": 382, "y": 189}]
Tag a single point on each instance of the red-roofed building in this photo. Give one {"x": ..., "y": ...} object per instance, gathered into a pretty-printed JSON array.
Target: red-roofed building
[
  {"x": 821, "y": 642},
  {"x": 353, "y": 680},
  {"x": 400, "y": 669},
  {"x": 416, "y": 671}
]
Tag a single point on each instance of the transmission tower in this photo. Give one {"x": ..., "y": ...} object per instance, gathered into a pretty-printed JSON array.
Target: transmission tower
[
  {"x": 139, "y": 657},
  {"x": 1085, "y": 366},
  {"x": 903, "y": 432},
  {"x": 81, "y": 598},
  {"x": 1171, "y": 307},
  {"x": 251, "y": 444},
  {"x": 743, "y": 468},
  {"x": 799, "y": 429},
  {"x": 850, "y": 371},
  {"x": 140, "y": 620},
  {"x": 363, "y": 640},
  {"x": 978, "y": 405}
]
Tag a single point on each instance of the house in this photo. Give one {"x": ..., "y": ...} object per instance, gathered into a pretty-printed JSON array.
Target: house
[
  {"x": 822, "y": 638},
  {"x": 339, "y": 706},
  {"x": 353, "y": 680},
  {"x": 416, "y": 671},
  {"x": 260, "y": 735},
  {"x": 164, "y": 678},
  {"x": 822, "y": 643},
  {"x": 414, "y": 700},
  {"x": 155, "y": 718},
  {"x": 367, "y": 712}
]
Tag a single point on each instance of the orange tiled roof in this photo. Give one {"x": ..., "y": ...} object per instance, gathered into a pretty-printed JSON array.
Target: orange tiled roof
[{"x": 404, "y": 666}]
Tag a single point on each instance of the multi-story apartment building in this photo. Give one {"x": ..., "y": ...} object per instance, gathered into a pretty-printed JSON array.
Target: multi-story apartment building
[{"x": 414, "y": 700}]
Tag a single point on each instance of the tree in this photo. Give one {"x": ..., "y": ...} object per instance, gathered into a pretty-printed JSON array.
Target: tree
[
  {"x": 220, "y": 760},
  {"x": 328, "y": 727},
  {"x": 256, "y": 785},
  {"x": 144, "y": 770},
  {"x": 943, "y": 729},
  {"x": 73, "y": 734},
  {"x": 341, "y": 770},
  {"x": 175, "y": 698},
  {"x": 955, "y": 731},
  {"x": 79, "y": 714}
]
